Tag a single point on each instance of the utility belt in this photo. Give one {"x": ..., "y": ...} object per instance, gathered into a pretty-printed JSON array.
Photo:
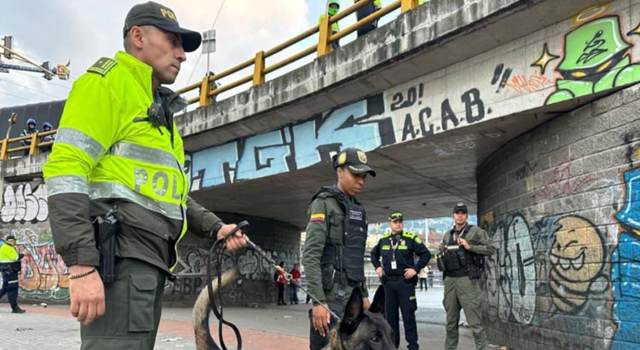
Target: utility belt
[{"x": 106, "y": 229}]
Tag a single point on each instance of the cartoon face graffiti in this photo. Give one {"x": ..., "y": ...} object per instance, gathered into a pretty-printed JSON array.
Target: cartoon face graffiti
[
  {"x": 577, "y": 259},
  {"x": 596, "y": 58}
]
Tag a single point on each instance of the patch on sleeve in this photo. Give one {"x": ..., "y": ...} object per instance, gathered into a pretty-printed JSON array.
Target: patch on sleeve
[
  {"x": 317, "y": 217},
  {"x": 418, "y": 239},
  {"x": 102, "y": 66}
]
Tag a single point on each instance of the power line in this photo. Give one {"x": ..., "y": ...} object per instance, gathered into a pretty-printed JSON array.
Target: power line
[
  {"x": 32, "y": 89},
  {"x": 16, "y": 96},
  {"x": 213, "y": 25},
  {"x": 25, "y": 74}
]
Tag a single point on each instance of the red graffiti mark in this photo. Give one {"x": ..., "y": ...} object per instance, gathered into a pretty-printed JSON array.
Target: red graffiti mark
[
  {"x": 42, "y": 268},
  {"x": 521, "y": 83},
  {"x": 562, "y": 183}
]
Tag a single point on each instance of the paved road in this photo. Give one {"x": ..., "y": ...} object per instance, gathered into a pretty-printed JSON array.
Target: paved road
[{"x": 266, "y": 328}]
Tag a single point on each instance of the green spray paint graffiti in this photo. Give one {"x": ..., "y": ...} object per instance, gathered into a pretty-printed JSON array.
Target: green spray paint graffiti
[{"x": 596, "y": 58}]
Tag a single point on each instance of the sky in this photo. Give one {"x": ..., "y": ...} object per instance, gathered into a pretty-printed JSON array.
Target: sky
[{"x": 81, "y": 31}]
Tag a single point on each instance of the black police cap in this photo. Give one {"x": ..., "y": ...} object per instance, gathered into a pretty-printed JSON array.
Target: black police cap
[
  {"x": 353, "y": 159},
  {"x": 460, "y": 207},
  {"x": 153, "y": 14}
]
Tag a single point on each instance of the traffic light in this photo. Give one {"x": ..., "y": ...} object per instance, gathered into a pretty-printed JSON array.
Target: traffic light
[{"x": 8, "y": 45}]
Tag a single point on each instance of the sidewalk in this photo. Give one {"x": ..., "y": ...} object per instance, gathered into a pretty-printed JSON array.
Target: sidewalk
[{"x": 267, "y": 328}]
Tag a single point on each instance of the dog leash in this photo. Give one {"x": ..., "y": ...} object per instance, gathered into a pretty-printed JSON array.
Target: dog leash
[
  {"x": 218, "y": 250},
  {"x": 287, "y": 275}
]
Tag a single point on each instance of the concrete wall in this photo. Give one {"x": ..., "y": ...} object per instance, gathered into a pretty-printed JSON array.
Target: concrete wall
[{"x": 561, "y": 206}]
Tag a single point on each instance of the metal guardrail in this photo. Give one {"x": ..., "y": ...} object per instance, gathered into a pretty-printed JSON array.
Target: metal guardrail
[
  {"x": 34, "y": 147},
  {"x": 208, "y": 89}
]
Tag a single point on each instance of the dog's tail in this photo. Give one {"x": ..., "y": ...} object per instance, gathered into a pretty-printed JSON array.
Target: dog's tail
[{"x": 201, "y": 312}]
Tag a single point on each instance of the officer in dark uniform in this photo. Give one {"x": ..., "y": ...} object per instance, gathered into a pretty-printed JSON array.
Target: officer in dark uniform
[
  {"x": 398, "y": 273},
  {"x": 463, "y": 250},
  {"x": 10, "y": 268},
  {"x": 333, "y": 255}
]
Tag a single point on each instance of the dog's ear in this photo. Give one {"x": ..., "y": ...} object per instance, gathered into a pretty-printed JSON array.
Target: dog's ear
[
  {"x": 377, "y": 306},
  {"x": 353, "y": 313}
]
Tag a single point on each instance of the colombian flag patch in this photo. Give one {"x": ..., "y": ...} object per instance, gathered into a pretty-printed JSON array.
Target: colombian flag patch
[{"x": 317, "y": 217}]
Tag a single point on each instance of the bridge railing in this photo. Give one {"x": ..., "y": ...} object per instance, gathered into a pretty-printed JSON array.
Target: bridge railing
[
  {"x": 208, "y": 88},
  {"x": 14, "y": 146}
]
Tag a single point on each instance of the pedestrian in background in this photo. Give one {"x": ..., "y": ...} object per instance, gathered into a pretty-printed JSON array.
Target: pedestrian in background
[
  {"x": 294, "y": 283},
  {"x": 365, "y": 11},
  {"x": 10, "y": 268},
  {"x": 423, "y": 278},
  {"x": 281, "y": 281}
]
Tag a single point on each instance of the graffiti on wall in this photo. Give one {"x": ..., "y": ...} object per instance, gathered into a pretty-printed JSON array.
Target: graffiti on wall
[
  {"x": 625, "y": 261},
  {"x": 24, "y": 202},
  {"x": 557, "y": 258},
  {"x": 192, "y": 267},
  {"x": 399, "y": 115},
  {"x": 595, "y": 57},
  {"x": 24, "y": 214}
]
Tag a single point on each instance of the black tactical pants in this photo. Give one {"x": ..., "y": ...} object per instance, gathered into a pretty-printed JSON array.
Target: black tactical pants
[
  {"x": 400, "y": 293},
  {"x": 10, "y": 288},
  {"x": 133, "y": 308}
]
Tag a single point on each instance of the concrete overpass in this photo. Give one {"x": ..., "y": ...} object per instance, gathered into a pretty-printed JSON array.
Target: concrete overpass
[
  {"x": 430, "y": 105},
  {"x": 526, "y": 109}
]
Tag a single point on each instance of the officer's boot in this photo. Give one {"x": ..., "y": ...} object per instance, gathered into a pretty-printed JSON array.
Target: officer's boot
[{"x": 18, "y": 310}]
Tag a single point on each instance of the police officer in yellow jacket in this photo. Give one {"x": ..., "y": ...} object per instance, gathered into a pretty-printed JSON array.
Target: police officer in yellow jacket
[
  {"x": 333, "y": 7},
  {"x": 395, "y": 263},
  {"x": 117, "y": 163},
  {"x": 10, "y": 268}
]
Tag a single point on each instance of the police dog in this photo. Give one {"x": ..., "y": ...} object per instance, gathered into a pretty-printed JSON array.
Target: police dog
[
  {"x": 201, "y": 312},
  {"x": 360, "y": 329}
]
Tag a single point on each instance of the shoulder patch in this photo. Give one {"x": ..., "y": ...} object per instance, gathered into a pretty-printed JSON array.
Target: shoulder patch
[
  {"x": 102, "y": 66},
  {"x": 317, "y": 217},
  {"x": 417, "y": 239},
  {"x": 409, "y": 234}
]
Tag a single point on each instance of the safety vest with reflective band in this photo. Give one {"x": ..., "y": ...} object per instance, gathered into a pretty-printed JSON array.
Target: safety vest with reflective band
[
  {"x": 106, "y": 149},
  {"x": 8, "y": 253}
]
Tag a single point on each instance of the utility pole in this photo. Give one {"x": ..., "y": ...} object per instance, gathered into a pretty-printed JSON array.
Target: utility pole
[{"x": 61, "y": 70}]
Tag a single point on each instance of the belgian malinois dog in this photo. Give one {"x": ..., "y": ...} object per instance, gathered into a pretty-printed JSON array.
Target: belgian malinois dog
[{"x": 360, "y": 329}]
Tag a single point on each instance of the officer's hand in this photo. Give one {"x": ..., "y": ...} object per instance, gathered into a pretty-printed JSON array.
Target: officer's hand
[
  {"x": 86, "y": 294},
  {"x": 366, "y": 304},
  {"x": 321, "y": 319},
  {"x": 463, "y": 242},
  {"x": 409, "y": 273},
  {"x": 233, "y": 243},
  {"x": 380, "y": 271}
]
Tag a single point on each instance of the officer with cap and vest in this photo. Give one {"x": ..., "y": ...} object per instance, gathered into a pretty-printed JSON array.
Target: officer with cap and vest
[
  {"x": 333, "y": 7},
  {"x": 117, "y": 164},
  {"x": 398, "y": 272},
  {"x": 463, "y": 249},
  {"x": 10, "y": 268},
  {"x": 333, "y": 255}
]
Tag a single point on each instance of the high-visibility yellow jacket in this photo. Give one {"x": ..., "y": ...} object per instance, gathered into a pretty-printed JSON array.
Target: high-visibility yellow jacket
[
  {"x": 8, "y": 253},
  {"x": 106, "y": 149}
]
